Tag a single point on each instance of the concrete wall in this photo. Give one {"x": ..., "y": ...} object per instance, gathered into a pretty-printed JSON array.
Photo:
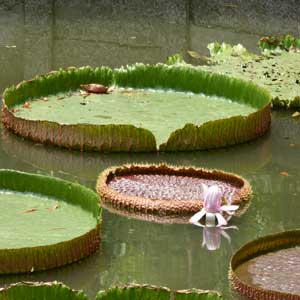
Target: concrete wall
[{"x": 49, "y": 34}]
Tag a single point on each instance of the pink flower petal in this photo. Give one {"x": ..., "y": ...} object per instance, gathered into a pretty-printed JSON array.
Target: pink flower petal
[
  {"x": 221, "y": 220},
  {"x": 213, "y": 199},
  {"x": 197, "y": 216}
]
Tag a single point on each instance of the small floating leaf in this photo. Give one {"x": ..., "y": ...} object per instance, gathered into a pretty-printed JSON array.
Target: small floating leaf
[
  {"x": 26, "y": 105},
  {"x": 58, "y": 228},
  {"x": 284, "y": 173},
  {"x": 194, "y": 54},
  {"x": 95, "y": 88},
  {"x": 29, "y": 210},
  {"x": 56, "y": 206}
]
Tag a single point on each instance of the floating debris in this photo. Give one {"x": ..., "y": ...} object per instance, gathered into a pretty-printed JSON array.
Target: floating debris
[{"x": 95, "y": 88}]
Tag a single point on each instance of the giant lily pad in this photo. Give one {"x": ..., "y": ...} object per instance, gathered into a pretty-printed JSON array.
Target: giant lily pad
[
  {"x": 45, "y": 222},
  {"x": 147, "y": 292},
  {"x": 279, "y": 73},
  {"x": 268, "y": 268},
  {"x": 163, "y": 190},
  {"x": 56, "y": 290},
  {"x": 170, "y": 108},
  {"x": 40, "y": 291}
]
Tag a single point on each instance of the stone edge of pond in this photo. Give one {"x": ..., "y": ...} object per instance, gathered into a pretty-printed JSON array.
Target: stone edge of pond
[
  {"x": 258, "y": 247},
  {"x": 29, "y": 259},
  {"x": 164, "y": 208},
  {"x": 126, "y": 137},
  {"x": 150, "y": 292},
  {"x": 40, "y": 290}
]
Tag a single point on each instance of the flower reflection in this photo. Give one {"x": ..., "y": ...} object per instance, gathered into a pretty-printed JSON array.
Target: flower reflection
[{"x": 212, "y": 236}]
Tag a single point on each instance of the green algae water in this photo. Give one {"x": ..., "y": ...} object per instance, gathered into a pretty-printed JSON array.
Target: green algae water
[
  {"x": 162, "y": 112},
  {"x": 30, "y": 220}
]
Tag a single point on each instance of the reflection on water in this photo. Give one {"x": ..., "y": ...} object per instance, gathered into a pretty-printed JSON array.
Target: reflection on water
[
  {"x": 163, "y": 254},
  {"x": 212, "y": 236}
]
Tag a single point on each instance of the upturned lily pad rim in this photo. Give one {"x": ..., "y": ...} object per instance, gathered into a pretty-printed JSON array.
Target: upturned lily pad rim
[
  {"x": 164, "y": 207},
  {"x": 255, "y": 248},
  {"x": 54, "y": 255},
  {"x": 26, "y": 288},
  {"x": 161, "y": 219},
  {"x": 117, "y": 292},
  {"x": 19, "y": 290},
  {"x": 229, "y": 131}
]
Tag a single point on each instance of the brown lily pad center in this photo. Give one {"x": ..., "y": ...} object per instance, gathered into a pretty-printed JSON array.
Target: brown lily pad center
[
  {"x": 168, "y": 187},
  {"x": 166, "y": 190},
  {"x": 279, "y": 271},
  {"x": 268, "y": 268}
]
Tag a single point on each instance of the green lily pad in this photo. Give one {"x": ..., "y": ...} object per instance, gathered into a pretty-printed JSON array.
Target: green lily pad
[
  {"x": 146, "y": 292},
  {"x": 40, "y": 291},
  {"x": 140, "y": 107},
  {"x": 40, "y": 222},
  {"x": 55, "y": 290},
  {"x": 170, "y": 108},
  {"x": 279, "y": 74}
]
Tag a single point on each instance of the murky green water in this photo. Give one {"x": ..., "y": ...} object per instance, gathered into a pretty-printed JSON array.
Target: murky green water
[{"x": 133, "y": 250}]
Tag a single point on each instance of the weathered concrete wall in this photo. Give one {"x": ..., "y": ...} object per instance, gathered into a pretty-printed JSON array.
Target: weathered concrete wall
[
  {"x": 49, "y": 34},
  {"x": 117, "y": 32},
  {"x": 241, "y": 20},
  {"x": 38, "y": 42},
  {"x": 251, "y": 16},
  {"x": 11, "y": 42}
]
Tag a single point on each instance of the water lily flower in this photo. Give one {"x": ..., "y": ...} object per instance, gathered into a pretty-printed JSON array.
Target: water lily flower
[{"x": 213, "y": 208}]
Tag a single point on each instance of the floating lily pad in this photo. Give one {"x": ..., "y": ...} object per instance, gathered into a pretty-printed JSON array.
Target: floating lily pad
[
  {"x": 268, "y": 268},
  {"x": 165, "y": 190},
  {"x": 170, "y": 108},
  {"x": 279, "y": 74},
  {"x": 148, "y": 292},
  {"x": 40, "y": 291},
  {"x": 58, "y": 291},
  {"x": 46, "y": 222}
]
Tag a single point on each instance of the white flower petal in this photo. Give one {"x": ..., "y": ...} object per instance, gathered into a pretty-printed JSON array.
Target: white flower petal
[
  {"x": 198, "y": 216},
  {"x": 229, "y": 207},
  {"x": 221, "y": 220}
]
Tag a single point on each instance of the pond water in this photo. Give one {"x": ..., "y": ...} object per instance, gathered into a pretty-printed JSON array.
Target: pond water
[{"x": 134, "y": 250}]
